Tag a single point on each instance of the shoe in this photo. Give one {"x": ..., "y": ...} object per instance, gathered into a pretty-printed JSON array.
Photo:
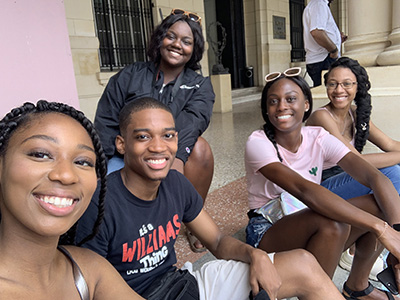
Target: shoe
[
  {"x": 352, "y": 295},
  {"x": 192, "y": 240},
  {"x": 346, "y": 261}
]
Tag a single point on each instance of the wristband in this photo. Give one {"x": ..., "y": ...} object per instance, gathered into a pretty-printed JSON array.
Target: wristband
[
  {"x": 396, "y": 227},
  {"x": 333, "y": 51}
]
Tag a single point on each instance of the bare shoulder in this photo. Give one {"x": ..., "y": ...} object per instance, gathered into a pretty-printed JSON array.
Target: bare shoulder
[
  {"x": 102, "y": 278},
  {"x": 86, "y": 259},
  {"x": 318, "y": 117}
]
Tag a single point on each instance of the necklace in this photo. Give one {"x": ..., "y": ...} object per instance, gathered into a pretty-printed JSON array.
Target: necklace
[
  {"x": 340, "y": 123},
  {"x": 344, "y": 127}
]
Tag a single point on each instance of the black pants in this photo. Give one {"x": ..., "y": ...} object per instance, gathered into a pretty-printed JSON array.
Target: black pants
[
  {"x": 174, "y": 285},
  {"x": 315, "y": 69}
]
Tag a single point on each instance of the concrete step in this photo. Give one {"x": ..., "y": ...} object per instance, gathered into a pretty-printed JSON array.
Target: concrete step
[{"x": 246, "y": 95}]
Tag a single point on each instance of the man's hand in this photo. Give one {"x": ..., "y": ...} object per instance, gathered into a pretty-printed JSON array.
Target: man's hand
[
  {"x": 343, "y": 36},
  {"x": 263, "y": 274}
]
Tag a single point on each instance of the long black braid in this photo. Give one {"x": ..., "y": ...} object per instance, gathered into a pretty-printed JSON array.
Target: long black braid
[
  {"x": 362, "y": 99},
  {"x": 268, "y": 128},
  {"x": 23, "y": 115}
]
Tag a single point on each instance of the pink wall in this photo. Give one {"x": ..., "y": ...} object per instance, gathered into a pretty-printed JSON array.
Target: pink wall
[{"x": 35, "y": 54}]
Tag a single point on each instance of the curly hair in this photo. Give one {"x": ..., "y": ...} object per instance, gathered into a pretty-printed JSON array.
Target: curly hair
[
  {"x": 362, "y": 98},
  {"x": 268, "y": 128},
  {"x": 160, "y": 32},
  {"x": 22, "y": 116}
]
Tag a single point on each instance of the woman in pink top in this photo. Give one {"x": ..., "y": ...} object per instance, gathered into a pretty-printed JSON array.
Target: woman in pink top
[{"x": 285, "y": 156}]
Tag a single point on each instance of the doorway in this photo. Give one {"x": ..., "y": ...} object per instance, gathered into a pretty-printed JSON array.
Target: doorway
[{"x": 230, "y": 14}]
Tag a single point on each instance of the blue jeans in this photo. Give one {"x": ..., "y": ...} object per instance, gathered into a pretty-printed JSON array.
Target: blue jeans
[
  {"x": 315, "y": 69},
  {"x": 114, "y": 164},
  {"x": 255, "y": 230},
  {"x": 346, "y": 187}
]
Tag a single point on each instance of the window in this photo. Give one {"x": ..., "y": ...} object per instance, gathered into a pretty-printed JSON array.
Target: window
[
  {"x": 296, "y": 30},
  {"x": 123, "y": 28}
]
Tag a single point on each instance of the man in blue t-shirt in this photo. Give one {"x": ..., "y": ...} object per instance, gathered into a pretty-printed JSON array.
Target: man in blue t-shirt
[{"x": 145, "y": 206}]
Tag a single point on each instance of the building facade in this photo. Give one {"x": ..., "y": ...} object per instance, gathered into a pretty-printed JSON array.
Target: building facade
[{"x": 262, "y": 34}]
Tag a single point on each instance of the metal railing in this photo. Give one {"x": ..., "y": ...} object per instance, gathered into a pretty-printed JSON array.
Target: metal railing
[{"x": 123, "y": 28}]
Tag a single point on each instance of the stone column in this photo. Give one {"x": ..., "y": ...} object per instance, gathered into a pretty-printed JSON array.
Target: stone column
[
  {"x": 369, "y": 28},
  {"x": 391, "y": 55},
  {"x": 222, "y": 88}
]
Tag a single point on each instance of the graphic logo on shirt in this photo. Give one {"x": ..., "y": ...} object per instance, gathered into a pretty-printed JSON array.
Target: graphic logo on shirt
[
  {"x": 150, "y": 248},
  {"x": 186, "y": 87},
  {"x": 313, "y": 171}
]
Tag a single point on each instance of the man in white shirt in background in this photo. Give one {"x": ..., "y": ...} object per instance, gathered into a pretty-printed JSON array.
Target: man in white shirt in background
[{"x": 322, "y": 38}]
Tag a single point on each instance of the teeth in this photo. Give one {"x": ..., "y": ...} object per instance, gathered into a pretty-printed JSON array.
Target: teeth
[
  {"x": 284, "y": 117},
  {"x": 156, "y": 162},
  {"x": 175, "y": 53},
  {"x": 57, "y": 201}
]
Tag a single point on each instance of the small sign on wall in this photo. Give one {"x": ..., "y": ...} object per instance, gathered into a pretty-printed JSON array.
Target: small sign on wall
[{"x": 279, "y": 27}]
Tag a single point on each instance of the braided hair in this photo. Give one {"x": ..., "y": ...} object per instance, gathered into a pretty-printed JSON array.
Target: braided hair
[
  {"x": 362, "y": 98},
  {"x": 21, "y": 117},
  {"x": 268, "y": 128}
]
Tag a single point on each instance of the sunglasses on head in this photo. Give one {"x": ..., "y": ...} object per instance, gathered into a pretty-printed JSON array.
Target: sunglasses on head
[
  {"x": 291, "y": 72},
  {"x": 192, "y": 16}
]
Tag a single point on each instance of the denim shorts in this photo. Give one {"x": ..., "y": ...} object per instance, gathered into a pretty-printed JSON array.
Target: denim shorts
[{"x": 255, "y": 230}]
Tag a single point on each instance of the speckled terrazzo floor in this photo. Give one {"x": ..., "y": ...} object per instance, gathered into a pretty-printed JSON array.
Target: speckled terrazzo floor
[
  {"x": 228, "y": 207},
  {"x": 226, "y": 202}
]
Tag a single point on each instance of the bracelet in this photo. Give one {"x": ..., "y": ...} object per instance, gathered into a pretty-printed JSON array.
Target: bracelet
[
  {"x": 384, "y": 230},
  {"x": 334, "y": 50}
]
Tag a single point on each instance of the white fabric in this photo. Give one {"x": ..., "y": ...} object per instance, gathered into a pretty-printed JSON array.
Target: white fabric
[
  {"x": 223, "y": 279},
  {"x": 317, "y": 15},
  {"x": 317, "y": 148}
]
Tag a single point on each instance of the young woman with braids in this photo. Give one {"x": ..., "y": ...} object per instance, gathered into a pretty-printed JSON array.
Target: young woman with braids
[
  {"x": 286, "y": 157},
  {"x": 50, "y": 160},
  {"x": 347, "y": 81}
]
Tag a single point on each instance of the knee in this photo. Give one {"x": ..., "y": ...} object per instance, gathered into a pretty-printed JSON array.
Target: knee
[
  {"x": 202, "y": 154},
  {"x": 334, "y": 230},
  {"x": 305, "y": 262},
  {"x": 393, "y": 173}
]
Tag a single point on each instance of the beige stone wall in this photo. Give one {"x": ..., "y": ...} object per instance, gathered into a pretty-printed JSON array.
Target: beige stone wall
[
  {"x": 84, "y": 49},
  {"x": 263, "y": 52}
]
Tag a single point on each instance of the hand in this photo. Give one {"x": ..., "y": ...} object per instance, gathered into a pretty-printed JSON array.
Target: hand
[
  {"x": 393, "y": 261},
  {"x": 390, "y": 238},
  {"x": 334, "y": 55},
  {"x": 263, "y": 274},
  {"x": 343, "y": 36}
]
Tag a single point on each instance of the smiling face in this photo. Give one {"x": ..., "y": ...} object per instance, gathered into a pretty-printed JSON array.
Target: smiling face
[
  {"x": 286, "y": 105},
  {"x": 47, "y": 175},
  {"x": 149, "y": 144},
  {"x": 340, "y": 97},
  {"x": 177, "y": 46}
]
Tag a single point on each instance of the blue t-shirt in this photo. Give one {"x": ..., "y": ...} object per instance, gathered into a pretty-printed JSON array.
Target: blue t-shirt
[{"x": 137, "y": 237}]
